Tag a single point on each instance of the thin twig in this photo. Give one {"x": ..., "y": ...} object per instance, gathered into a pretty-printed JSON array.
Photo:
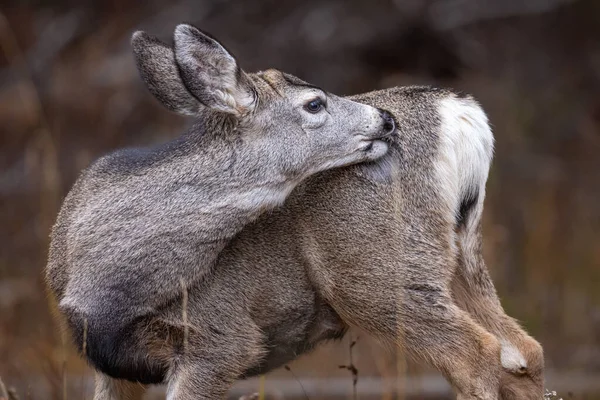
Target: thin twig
[
  {"x": 184, "y": 315},
  {"x": 261, "y": 387},
  {"x": 51, "y": 179},
  {"x": 351, "y": 367},
  {"x": 84, "y": 351},
  {"x": 400, "y": 376},
  {"x": 287, "y": 368},
  {"x": 64, "y": 366},
  {"x": 85, "y": 333}
]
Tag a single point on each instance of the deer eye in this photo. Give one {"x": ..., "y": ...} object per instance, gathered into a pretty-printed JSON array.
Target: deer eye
[{"x": 314, "y": 106}]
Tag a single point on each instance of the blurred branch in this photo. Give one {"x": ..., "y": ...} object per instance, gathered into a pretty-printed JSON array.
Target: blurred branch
[
  {"x": 47, "y": 147},
  {"x": 10, "y": 47},
  {"x": 3, "y": 392},
  {"x": 55, "y": 36},
  {"x": 452, "y": 14},
  {"x": 7, "y": 394},
  {"x": 13, "y": 179}
]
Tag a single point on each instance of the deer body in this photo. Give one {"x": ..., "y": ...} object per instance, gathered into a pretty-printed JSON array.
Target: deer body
[{"x": 392, "y": 247}]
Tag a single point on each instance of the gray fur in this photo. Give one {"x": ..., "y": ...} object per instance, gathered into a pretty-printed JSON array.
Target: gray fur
[
  {"x": 210, "y": 73},
  {"x": 386, "y": 246},
  {"x": 140, "y": 225},
  {"x": 156, "y": 64}
]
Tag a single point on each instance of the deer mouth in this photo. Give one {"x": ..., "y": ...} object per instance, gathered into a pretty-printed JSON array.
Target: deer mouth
[
  {"x": 368, "y": 145},
  {"x": 370, "y": 141}
]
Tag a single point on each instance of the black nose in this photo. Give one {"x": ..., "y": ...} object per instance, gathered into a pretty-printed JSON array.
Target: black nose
[{"x": 388, "y": 121}]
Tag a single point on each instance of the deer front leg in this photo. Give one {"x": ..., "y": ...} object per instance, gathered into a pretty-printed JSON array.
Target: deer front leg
[
  {"x": 206, "y": 377},
  {"x": 212, "y": 362},
  {"x": 200, "y": 381},
  {"x": 108, "y": 388}
]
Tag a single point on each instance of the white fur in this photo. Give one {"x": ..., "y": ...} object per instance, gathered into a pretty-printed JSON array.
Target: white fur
[
  {"x": 261, "y": 198},
  {"x": 465, "y": 154},
  {"x": 511, "y": 358},
  {"x": 465, "y": 151}
]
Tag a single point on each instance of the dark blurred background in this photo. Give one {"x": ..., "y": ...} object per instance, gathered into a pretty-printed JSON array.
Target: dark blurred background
[{"x": 69, "y": 92}]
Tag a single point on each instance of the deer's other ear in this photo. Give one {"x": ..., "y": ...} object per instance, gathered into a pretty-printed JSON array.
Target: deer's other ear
[
  {"x": 156, "y": 63},
  {"x": 210, "y": 73}
]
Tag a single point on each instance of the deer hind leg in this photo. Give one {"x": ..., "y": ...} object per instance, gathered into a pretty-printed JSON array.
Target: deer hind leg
[
  {"x": 433, "y": 328},
  {"x": 522, "y": 356},
  {"x": 108, "y": 388},
  {"x": 466, "y": 144},
  {"x": 474, "y": 292}
]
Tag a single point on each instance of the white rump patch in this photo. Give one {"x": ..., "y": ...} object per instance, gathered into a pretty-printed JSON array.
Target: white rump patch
[{"x": 465, "y": 152}]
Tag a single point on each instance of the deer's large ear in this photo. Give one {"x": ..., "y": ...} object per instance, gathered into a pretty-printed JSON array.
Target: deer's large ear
[
  {"x": 156, "y": 63},
  {"x": 211, "y": 73}
]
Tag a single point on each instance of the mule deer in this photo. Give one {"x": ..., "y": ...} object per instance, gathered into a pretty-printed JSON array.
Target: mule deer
[
  {"x": 392, "y": 247},
  {"x": 140, "y": 224}
]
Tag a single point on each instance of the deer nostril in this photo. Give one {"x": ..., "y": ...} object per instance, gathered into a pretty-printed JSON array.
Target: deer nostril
[{"x": 388, "y": 121}]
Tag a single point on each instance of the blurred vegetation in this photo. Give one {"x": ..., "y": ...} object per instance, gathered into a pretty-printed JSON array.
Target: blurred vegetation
[{"x": 69, "y": 92}]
